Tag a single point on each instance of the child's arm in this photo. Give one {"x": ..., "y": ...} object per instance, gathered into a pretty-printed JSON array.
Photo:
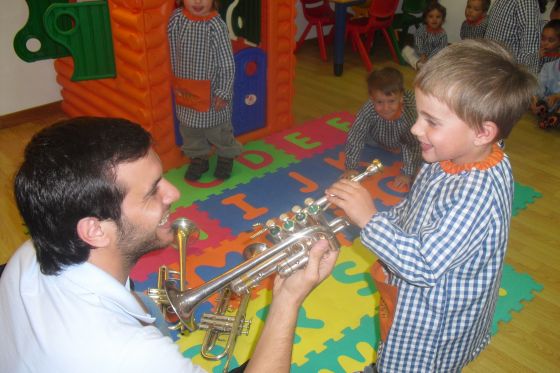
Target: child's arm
[
  {"x": 446, "y": 238},
  {"x": 226, "y": 66}
]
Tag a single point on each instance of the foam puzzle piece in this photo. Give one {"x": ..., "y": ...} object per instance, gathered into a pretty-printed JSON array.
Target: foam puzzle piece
[
  {"x": 314, "y": 137},
  {"x": 253, "y": 202},
  {"x": 258, "y": 159},
  {"x": 350, "y": 353},
  {"x": 515, "y": 287},
  {"x": 523, "y": 195}
]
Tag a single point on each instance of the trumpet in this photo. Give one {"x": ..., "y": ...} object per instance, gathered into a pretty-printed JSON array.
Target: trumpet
[{"x": 292, "y": 235}]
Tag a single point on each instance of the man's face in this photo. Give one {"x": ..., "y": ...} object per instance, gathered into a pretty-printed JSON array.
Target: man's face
[{"x": 144, "y": 224}]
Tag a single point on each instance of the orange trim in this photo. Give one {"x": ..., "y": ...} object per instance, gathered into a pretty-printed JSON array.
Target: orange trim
[
  {"x": 191, "y": 93},
  {"x": 398, "y": 114},
  {"x": 552, "y": 54},
  {"x": 472, "y": 23},
  {"x": 493, "y": 159},
  {"x": 434, "y": 30},
  {"x": 388, "y": 295},
  {"x": 193, "y": 17}
]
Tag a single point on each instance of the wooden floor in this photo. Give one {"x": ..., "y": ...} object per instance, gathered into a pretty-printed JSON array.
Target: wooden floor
[{"x": 526, "y": 343}]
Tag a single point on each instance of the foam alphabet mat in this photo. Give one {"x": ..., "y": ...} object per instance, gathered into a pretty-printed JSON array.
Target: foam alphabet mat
[{"x": 337, "y": 328}]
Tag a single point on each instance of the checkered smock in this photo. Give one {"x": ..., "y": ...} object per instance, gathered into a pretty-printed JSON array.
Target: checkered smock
[
  {"x": 429, "y": 42},
  {"x": 370, "y": 127},
  {"x": 516, "y": 23},
  {"x": 444, "y": 246},
  {"x": 474, "y": 30},
  {"x": 201, "y": 49}
]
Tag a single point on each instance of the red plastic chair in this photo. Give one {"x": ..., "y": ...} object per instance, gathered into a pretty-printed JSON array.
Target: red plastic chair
[
  {"x": 318, "y": 13},
  {"x": 381, "y": 15}
]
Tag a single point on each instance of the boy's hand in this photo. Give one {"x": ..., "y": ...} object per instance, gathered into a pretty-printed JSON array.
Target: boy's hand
[
  {"x": 354, "y": 199},
  {"x": 402, "y": 180},
  {"x": 348, "y": 174},
  {"x": 220, "y": 103}
]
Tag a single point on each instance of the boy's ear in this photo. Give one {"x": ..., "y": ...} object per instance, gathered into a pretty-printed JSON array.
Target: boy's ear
[
  {"x": 94, "y": 231},
  {"x": 487, "y": 134}
]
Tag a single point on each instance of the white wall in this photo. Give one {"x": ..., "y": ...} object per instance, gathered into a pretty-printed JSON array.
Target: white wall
[{"x": 24, "y": 85}]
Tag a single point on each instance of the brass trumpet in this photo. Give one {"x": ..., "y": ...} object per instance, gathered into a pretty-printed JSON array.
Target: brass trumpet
[{"x": 292, "y": 236}]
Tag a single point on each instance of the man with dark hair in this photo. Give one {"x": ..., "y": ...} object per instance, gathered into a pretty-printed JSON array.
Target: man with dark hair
[{"x": 92, "y": 193}]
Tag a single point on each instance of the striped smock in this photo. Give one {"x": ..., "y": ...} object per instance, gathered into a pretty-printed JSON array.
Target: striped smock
[
  {"x": 444, "y": 246},
  {"x": 428, "y": 41},
  {"x": 474, "y": 30}
]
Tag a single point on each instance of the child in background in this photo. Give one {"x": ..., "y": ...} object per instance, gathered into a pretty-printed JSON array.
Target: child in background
[
  {"x": 474, "y": 26},
  {"x": 443, "y": 246},
  {"x": 555, "y": 11},
  {"x": 550, "y": 42},
  {"x": 429, "y": 38},
  {"x": 385, "y": 120},
  {"x": 203, "y": 69}
]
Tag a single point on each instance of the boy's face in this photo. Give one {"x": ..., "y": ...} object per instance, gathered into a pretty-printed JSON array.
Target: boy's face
[
  {"x": 442, "y": 135},
  {"x": 474, "y": 10},
  {"x": 199, "y": 7},
  {"x": 434, "y": 19},
  {"x": 387, "y": 106},
  {"x": 550, "y": 42}
]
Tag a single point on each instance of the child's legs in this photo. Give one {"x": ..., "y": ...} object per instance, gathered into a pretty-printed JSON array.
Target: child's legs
[
  {"x": 222, "y": 138},
  {"x": 195, "y": 142}
]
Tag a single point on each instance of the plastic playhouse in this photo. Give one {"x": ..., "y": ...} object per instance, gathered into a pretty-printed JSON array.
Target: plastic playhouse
[{"x": 112, "y": 59}]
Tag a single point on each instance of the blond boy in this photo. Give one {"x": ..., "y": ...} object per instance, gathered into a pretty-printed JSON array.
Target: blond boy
[{"x": 443, "y": 246}]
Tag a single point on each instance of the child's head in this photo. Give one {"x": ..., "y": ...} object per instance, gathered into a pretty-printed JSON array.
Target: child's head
[
  {"x": 550, "y": 37},
  {"x": 555, "y": 11},
  {"x": 434, "y": 15},
  {"x": 478, "y": 83},
  {"x": 200, "y": 7},
  {"x": 386, "y": 89},
  {"x": 476, "y": 9}
]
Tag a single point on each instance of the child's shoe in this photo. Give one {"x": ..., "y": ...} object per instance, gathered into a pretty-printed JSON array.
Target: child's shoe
[
  {"x": 224, "y": 167},
  {"x": 197, "y": 167},
  {"x": 409, "y": 55},
  {"x": 542, "y": 108},
  {"x": 551, "y": 121}
]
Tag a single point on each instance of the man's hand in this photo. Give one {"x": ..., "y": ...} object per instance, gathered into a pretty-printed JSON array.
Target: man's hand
[
  {"x": 296, "y": 287},
  {"x": 354, "y": 199},
  {"x": 219, "y": 103}
]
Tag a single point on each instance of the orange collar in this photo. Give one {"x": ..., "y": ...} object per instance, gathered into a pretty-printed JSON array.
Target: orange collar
[
  {"x": 493, "y": 159},
  {"x": 552, "y": 54},
  {"x": 193, "y": 17},
  {"x": 476, "y": 22},
  {"x": 434, "y": 30}
]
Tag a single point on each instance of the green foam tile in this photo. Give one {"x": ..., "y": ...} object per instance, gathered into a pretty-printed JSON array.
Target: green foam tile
[{"x": 523, "y": 195}]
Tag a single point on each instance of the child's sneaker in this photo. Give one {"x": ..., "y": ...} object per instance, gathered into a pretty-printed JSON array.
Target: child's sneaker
[
  {"x": 224, "y": 167},
  {"x": 197, "y": 167}
]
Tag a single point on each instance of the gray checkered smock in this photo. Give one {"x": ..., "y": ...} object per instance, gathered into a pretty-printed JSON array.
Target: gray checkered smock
[
  {"x": 516, "y": 23},
  {"x": 201, "y": 49},
  {"x": 429, "y": 43},
  {"x": 474, "y": 30},
  {"x": 369, "y": 127},
  {"x": 444, "y": 246}
]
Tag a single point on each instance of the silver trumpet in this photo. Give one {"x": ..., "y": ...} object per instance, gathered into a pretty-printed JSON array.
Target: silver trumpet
[{"x": 291, "y": 235}]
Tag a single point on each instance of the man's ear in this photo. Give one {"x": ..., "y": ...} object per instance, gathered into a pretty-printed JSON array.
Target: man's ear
[
  {"x": 93, "y": 231},
  {"x": 487, "y": 134}
]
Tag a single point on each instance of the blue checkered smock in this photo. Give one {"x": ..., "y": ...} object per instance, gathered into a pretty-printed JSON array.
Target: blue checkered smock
[
  {"x": 201, "y": 49},
  {"x": 369, "y": 128},
  {"x": 474, "y": 30},
  {"x": 428, "y": 42},
  {"x": 444, "y": 246},
  {"x": 516, "y": 23}
]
